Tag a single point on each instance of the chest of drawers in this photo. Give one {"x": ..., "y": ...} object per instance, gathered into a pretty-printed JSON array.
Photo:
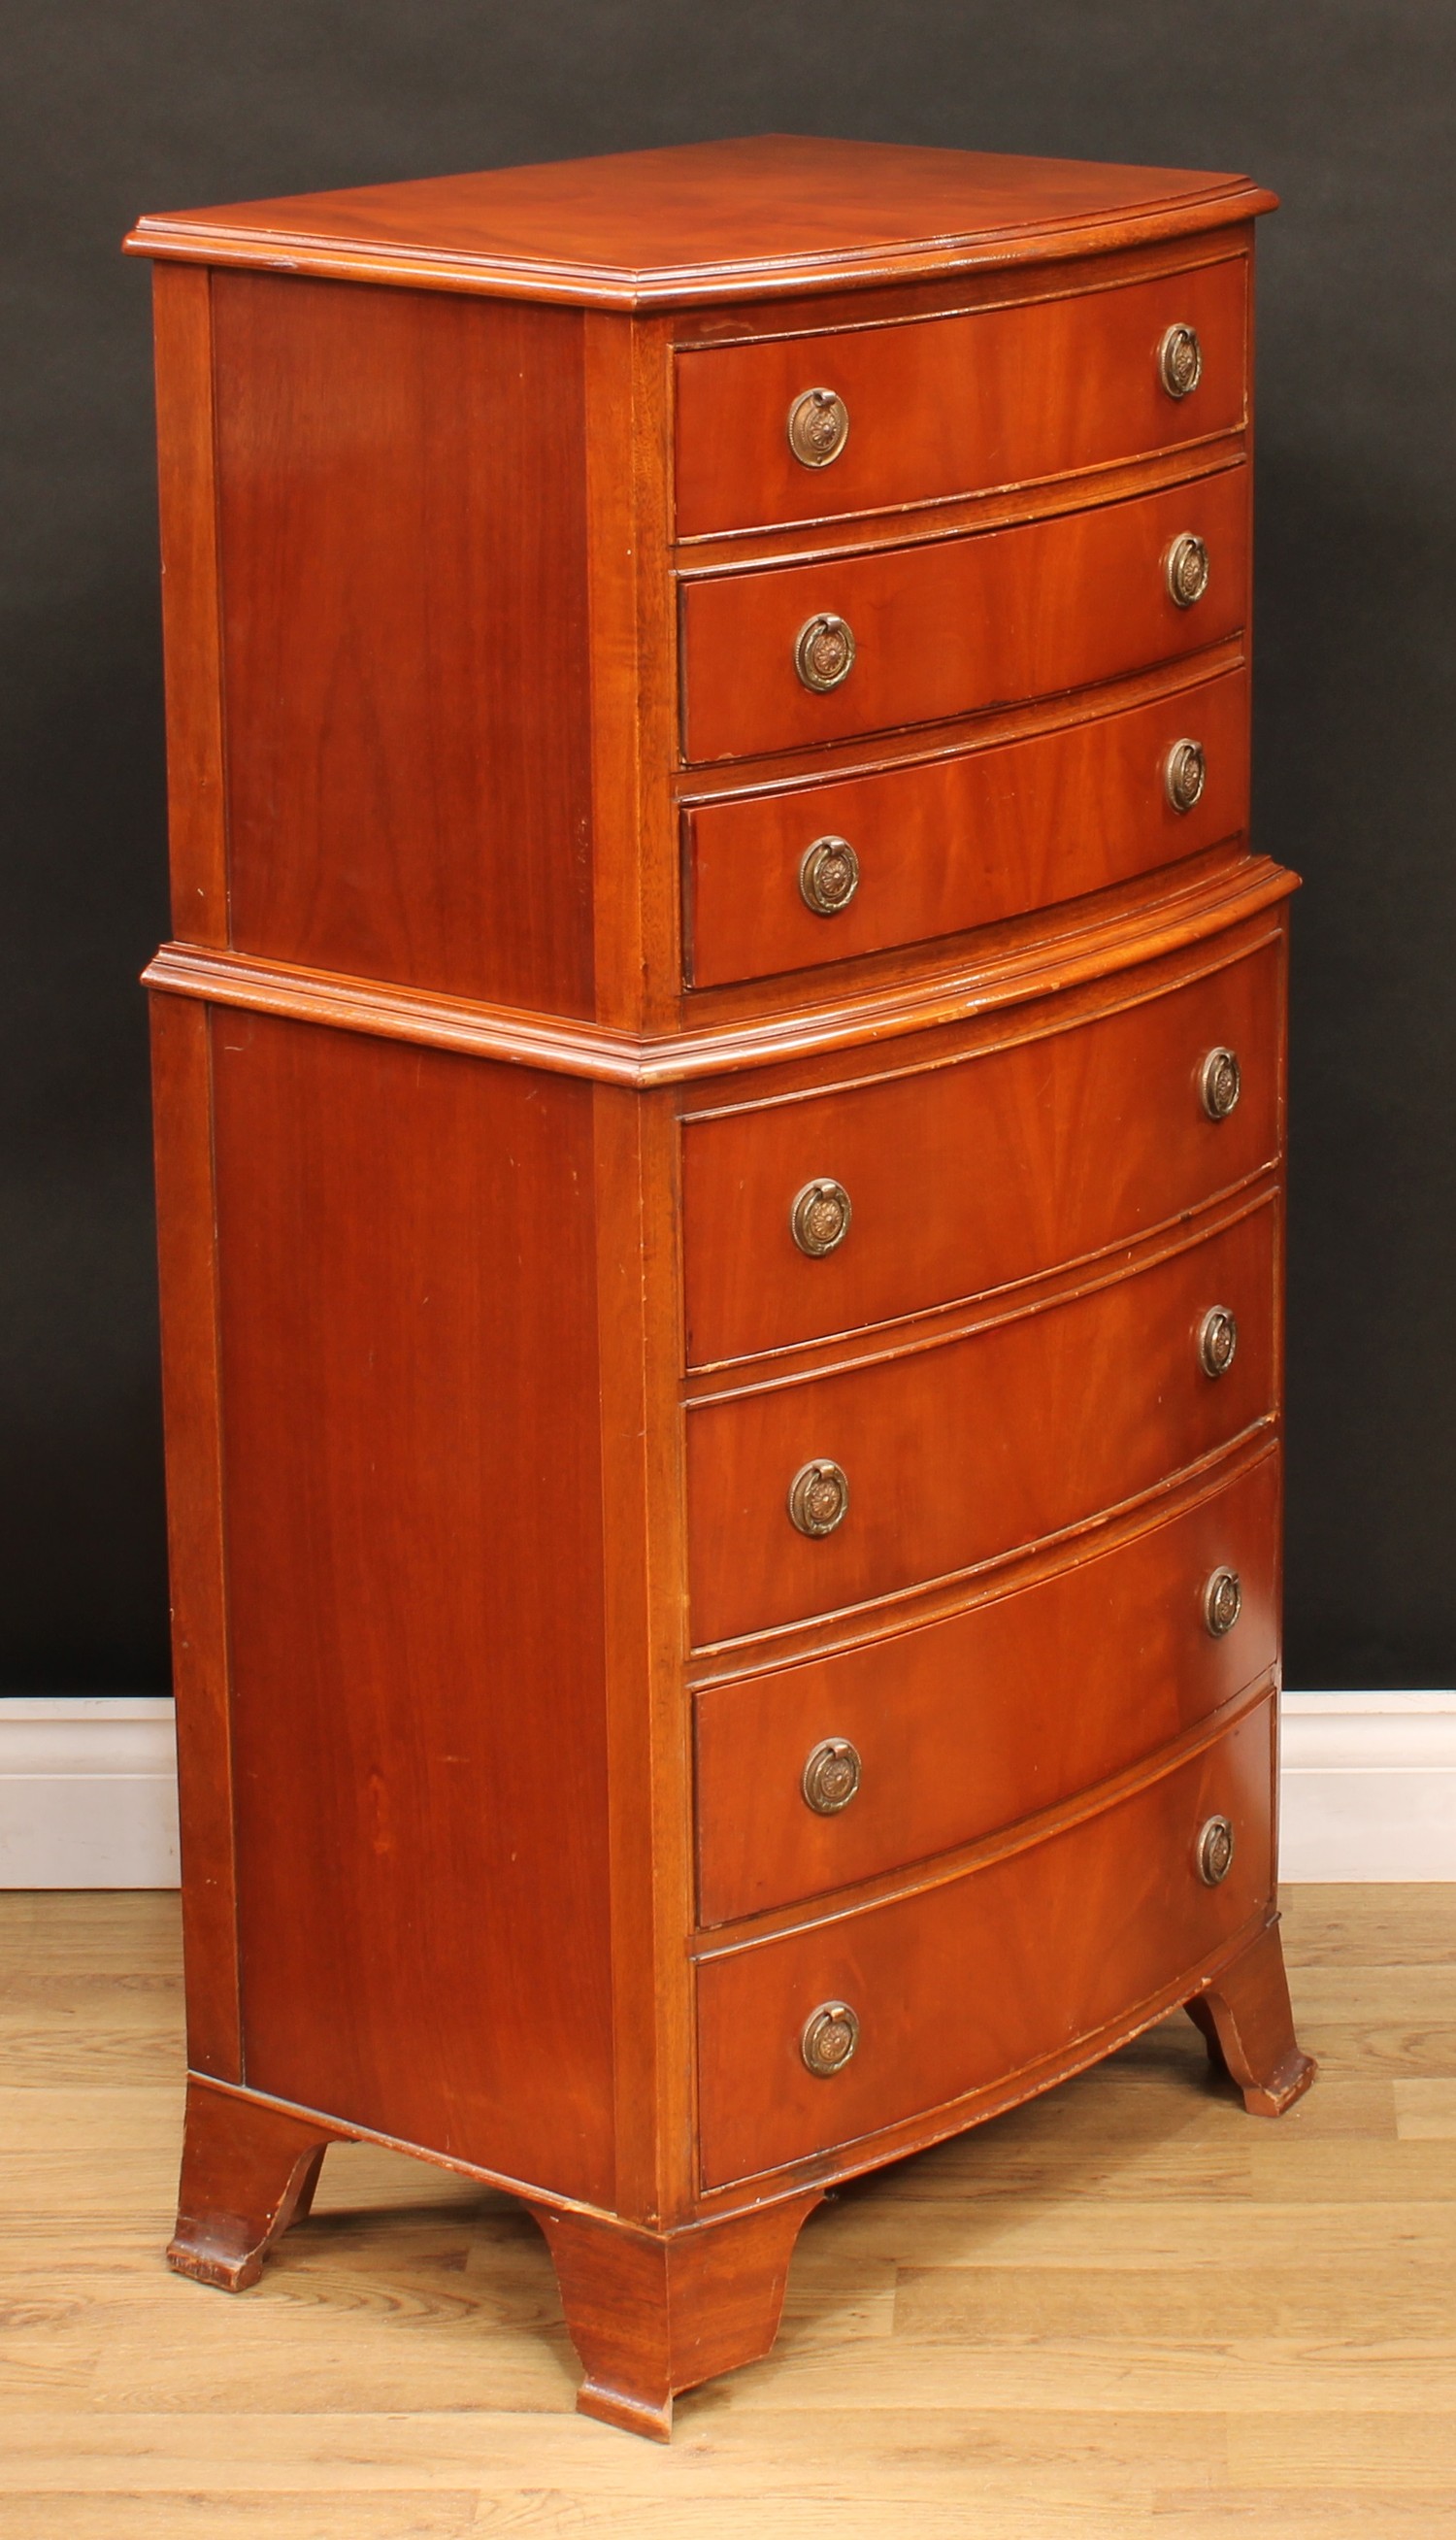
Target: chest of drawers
[{"x": 720, "y": 1112}]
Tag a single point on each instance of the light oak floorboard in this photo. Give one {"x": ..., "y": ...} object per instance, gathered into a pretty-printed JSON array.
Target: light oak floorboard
[{"x": 1125, "y": 2308}]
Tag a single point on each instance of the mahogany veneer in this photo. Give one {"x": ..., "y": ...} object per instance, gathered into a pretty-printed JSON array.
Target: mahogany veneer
[{"x": 721, "y": 1239}]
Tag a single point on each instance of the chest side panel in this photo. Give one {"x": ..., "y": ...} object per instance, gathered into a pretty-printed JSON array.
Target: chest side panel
[
  {"x": 412, "y": 1476},
  {"x": 402, "y": 531}
]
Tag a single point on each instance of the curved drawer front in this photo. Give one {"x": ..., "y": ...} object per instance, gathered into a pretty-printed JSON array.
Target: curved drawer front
[
  {"x": 952, "y": 1731},
  {"x": 953, "y": 625},
  {"x": 960, "y": 1454},
  {"x": 963, "y": 1178},
  {"x": 962, "y": 841},
  {"x": 965, "y": 1985},
  {"x": 940, "y": 406}
]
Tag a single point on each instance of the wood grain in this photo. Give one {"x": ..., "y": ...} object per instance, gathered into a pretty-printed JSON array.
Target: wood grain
[
  {"x": 186, "y": 1226},
  {"x": 1067, "y": 2318},
  {"x": 406, "y": 1246},
  {"x": 970, "y": 1724},
  {"x": 949, "y": 405},
  {"x": 962, "y": 1986},
  {"x": 186, "y": 484},
  {"x": 402, "y": 525},
  {"x": 773, "y": 214},
  {"x": 958, "y": 1453},
  {"x": 968, "y": 1178},
  {"x": 1102, "y": 934},
  {"x": 964, "y": 839},
  {"x": 946, "y": 627}
]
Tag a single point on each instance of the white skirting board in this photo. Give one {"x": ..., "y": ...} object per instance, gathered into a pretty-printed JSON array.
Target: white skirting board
[
  {"x": 87, "y": 1792},
  {"x": 87, "y": 1789}
]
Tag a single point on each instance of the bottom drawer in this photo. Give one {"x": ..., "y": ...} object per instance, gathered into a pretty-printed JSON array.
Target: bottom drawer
[{"x": 964, "y": 1984}]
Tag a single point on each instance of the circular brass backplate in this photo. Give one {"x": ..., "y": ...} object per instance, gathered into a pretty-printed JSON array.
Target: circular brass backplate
[
  {"x": 1187, "y": 569},
  {"x": 831, "y": 1775},
  {"x": 828, "y": 876},
  {"x": 1180, "y": 360},
  {"x": 828, "y": 2038},
  {"x": 1185, "y": 773},
  {"x": 820, "y": 1218},
  {"x": 824, "y": 652},
  {"x": 818, "y": 427},
  {"x": 1217, "y": 1340},
  {"x": 1223, "y": 1602},
  {"x": 820, "y": 1497},
  {"x": 1214, "y": 1851},
  {"x": 1219, "y": 1082}
]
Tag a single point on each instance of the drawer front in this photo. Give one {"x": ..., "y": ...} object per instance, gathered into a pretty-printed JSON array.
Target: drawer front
[
  {"x": 961, "y": 841},
  {"x": 957, "y": 624},
  {"x": 963, "y": 1178},
  {"x": 968, "y": 1724},
  {"x": 940, "y": 406},
  {"x": 969, "y": 1983},
  {"x": 958, "y": 1453}
]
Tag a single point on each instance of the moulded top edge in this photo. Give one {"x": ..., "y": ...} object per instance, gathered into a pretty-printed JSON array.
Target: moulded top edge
[{"x": 713, "y": 220}]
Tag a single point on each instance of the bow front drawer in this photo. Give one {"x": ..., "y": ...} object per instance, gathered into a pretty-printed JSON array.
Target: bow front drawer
[
  {"x": 813, "y": 1777},
  {"x": 863, "y": 418},
  {"x": 788, "y": 657},
  {"x": 861, "y": 1203},
  {"x": 823, "y": 2035},
  {"x": 814, "y": 871},
  {"x": 811, "y": 1495}
]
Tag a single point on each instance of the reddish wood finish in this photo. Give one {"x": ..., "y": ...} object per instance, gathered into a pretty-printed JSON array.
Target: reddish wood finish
[
  {"x": 945, "y": 628},
  {"x": 402, "y": 527},
  {"x": 981, "y": 1972},
  {"x": 1009, "y": 1707},
  {"x": 969, "y": 1176},
  {"x": 951, "y": 406},
  {"x": 1245, "y": 2017},
  {"x": 653, "y": 2314},
  {"x": 479, "y": 1116},
  {"x": 406, "y": 1248},
  {"x": 960, "y": 1454},
  {"x": 962, "y": 839},
  {"x": 247, "y": 2172},
  {"x": 712, "y": 221},
  {"x": 186, "y": 469},
  {"x": 187, "y": 1210}
]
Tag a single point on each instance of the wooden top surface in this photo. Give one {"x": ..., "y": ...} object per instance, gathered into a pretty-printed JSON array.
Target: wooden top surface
[{"x": 717, "y": 220}]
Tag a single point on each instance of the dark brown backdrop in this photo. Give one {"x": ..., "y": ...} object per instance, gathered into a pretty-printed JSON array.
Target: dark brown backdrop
[{"x": 112, "y": 106}]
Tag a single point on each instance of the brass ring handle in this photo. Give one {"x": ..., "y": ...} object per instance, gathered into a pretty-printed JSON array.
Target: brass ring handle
[
  {"x": 828, "y": 2038},
  {"x": 1185, "y": 774},
  {"x": 824, "y": 652},
  {"x": 1180, "y": 360},
  {"x": 1187, "y": 569},
  {"x": 1223, "y": 1602},
  {"x": 828, "y": 876},
  {"x": 1217, "y": 1340},
  {"x": 820, "y": 1218},
  {"x": 818, "y": 427},
  {"x": 1213, "y": 1851},
  {"x": 831, "y": 1775},
  {"x": 1219, "y": 1082},
  {"x": 820, "y": 1497}
]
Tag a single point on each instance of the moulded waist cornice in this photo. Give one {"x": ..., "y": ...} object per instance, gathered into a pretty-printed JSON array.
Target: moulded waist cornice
[{"x": 562, "y": 1045}]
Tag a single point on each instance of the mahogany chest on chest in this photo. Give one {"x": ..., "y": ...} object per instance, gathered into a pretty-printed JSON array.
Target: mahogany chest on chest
[{"x": 720, "y": 1098}]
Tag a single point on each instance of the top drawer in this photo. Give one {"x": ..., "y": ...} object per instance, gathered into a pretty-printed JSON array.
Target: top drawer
[{"x": 938, "y": 406}]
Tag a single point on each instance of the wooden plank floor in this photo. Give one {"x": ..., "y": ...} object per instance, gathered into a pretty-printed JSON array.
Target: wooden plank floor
[{"x": 1127, "y": 2307}]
